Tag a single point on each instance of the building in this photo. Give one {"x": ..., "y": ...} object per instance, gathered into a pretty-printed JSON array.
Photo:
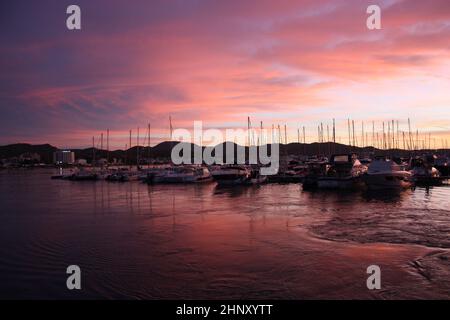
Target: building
[
  {"x": 64, "y": 157},
  {"x": 29, "y": 157}
]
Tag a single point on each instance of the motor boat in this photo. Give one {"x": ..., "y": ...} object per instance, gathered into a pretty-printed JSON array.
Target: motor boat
[
  {"x": 315, "y": 170},
  {"x": 231, "y": 174},
  {"x": 442, "y": 164},
  {"x": 385, "y": 174},
  {"x": 123, "y": 176},
  {"x": 345, "y": 172},
  {"x": 180, "y": 174},
  {"x": 84, "y": 175},
  {"x": 424, "y": 172}
]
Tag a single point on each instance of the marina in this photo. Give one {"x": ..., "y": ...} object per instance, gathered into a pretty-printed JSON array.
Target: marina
[{"x": 225, "y": 155}]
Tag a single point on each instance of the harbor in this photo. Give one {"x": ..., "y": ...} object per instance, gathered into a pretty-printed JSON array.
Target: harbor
[
  {"x": 232, "y": 157},
  {"x": 147, "y": 228}
]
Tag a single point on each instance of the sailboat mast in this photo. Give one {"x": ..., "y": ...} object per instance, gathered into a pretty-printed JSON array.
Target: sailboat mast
[
  {"x": 349, "y": 134},
  {"x": 409, "y": 132},
  {"x": 261, "y": 133},
  {"x": 107, "y": 146},
  {"x": 93, "y": 151},
  {"x": 137, "y": 149},
  {"x": 170, "y": 127},
  {"x": 353, "y": 125},
  {"x": 149, "y": 146},
  {"x": 129, "y": 149}
]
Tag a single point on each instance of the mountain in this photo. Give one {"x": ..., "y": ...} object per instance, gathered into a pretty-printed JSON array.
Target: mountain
[
  {"x": 163, "y": 150},
  {"x": 15, "y": 150}
]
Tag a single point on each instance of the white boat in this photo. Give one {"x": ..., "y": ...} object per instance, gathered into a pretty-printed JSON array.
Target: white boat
[
  {"x": 231, "y": 174},
  {"x": 387, "y": 174},
  {"x": 181, "y": 174},
  {"x": 344, "y": 172},
  {"x": 84, "y": 175},
  {"x": 123, "y": 176}
]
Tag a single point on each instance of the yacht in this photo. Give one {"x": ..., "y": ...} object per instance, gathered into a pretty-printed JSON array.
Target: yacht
[
  {"x": 344, "y": 172},
  {"x": 443, "y": 165},
  {"x": 231, "y": 174},
  {"x": 424, "y": 172},
  {"x": 385, "y": 174},
  {"x": 180, "y": 174},
  {"x": 84, "y": 175},
  {"x": 123, "y": 176}
]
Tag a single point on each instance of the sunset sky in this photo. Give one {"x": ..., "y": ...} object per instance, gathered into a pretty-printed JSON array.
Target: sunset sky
[{"x": 294, "y": 62}]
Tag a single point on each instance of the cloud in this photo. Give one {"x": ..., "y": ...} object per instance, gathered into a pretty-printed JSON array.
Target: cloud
[{"x": 217, "y": 61}]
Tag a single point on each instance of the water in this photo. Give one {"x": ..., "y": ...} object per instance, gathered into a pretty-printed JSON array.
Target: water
[{"x": 134, "y": 241}]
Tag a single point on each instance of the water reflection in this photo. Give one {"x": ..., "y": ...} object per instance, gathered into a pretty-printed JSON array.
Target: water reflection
[
  {"x": 205, "y": 241},
  {"x": 394, "y": 196}
]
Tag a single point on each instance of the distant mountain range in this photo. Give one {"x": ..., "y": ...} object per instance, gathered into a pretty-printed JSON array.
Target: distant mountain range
[{"x": 164, "y": 149}]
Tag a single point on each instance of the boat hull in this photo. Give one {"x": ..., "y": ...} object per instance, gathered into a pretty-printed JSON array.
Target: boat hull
[
  {"x": 387, "y": 181},
  {"x": 338, "y": 183}
]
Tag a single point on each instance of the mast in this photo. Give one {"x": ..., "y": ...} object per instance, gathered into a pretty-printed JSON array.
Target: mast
[
  {"x": 137, "y": 149},
  {"x": 398, "y": 135},
  {"x": 101, "y": 147},
  {"x": 248, "y": 131},
  {"x": 389, "y": 135},
  {"x": 409, "y": 132},
  {"x": 107, "y": 146},
  {"x": 285, "y": 134},
  {"x": 321, "y": 132},
  {"x": 328, "y": 140},
  {"x": 148, "y": 150},
  {"x": 373, "y": 133},
  {"x": 353, "y": 125},
  {"x": 404, "y": 142},
  {"x": 129, "y": 148},
  {"x": 349, "y": 135},
  {"x": 170, "y": 127},
  {"x": 93, "y": 151},
  {"x": 393, "y": 135},
  {"x": 273, "y": 131},
  {"x": 334, "y": 130},
  {"x": 362, "y": 129},
  {"x": 304, "y": 141},
  {"x": 261, "y": 133},
  {"x": 279, "y": 134}
]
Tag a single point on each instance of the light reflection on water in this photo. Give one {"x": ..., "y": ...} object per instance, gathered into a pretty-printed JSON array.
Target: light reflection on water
[{"x": 202, "y": 241}]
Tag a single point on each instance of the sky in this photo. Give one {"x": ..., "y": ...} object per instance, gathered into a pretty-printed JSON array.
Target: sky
[{"x": 293, "y": 62}]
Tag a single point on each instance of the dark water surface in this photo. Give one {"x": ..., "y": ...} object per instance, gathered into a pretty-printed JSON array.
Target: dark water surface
[{"x": 203, "y": 242}]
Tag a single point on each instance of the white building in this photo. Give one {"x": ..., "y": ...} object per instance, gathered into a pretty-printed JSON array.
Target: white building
[{"x": 64, "y": 157}]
